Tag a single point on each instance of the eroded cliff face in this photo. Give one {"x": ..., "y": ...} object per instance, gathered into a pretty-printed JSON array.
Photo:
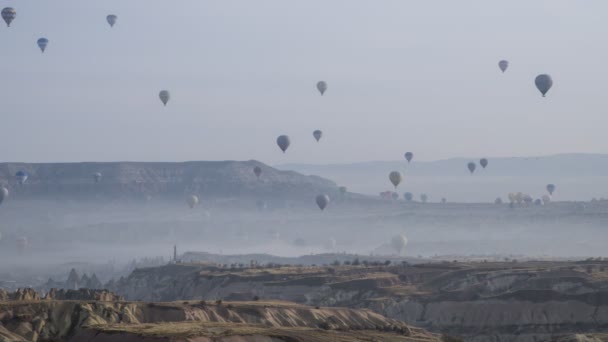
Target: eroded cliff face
[
  {"x": 50, "y": 320},
  {"x": 481, "y": 302}
]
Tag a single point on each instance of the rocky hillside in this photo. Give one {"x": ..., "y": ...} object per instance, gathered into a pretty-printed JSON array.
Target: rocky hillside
[
  {"x": 510, "y": 301},
  {"x": 53, "y": 320},
  {"x": 222, "y": 179}
]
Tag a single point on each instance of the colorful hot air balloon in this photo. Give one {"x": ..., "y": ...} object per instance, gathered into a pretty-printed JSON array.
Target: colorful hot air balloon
[
  {"x": 283, "y": 141},
  {"x": 409, "y": 156},
  {"x": 322, "y": 201},
  {"x": 483, "y": 162},
  {"x": 9, "y": 14},
  {"x": 164, "y": 96},
  {"x": 317, "y": 134},
  {"x": 471, "y": 166},
  {"x": 111, "y": 19},
  {"x": 395, "y": 177},
  {"x": 543, "y": 82},
  {"x": 257, "y": 171},
  {"x": 550, "y": 188},
  {"x": 322, "y": 87},
  {"x": 42, "y": 43},
  {"x": 503, "y": 65}
]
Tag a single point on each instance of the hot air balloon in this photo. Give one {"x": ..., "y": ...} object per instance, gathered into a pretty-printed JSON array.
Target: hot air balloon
[
  {"x": 3, "y": 194},
  {"x": 257, "y": 171},
  {"x": 395, "y": 196},
  {"x": 424, "y": 198},
  {"x": 398, "y": 243},
  {"x": 503, "y": 65},
  {"x": 408, "y": 196},
  {"x": 21, "y": 176},
  {"x": 498, "y": 200},
  {"x": 317, "y": 134},
  {"x": 97, "y": 177},
  {"x": 538, "y": 201},
  {"x": 111, "y": 19},
  {"x": 9, "y": 14},
  {"x": 322, "y": 87},
  {"x": 444, "y": 200},
  {"x": 546, "y": 199},
  {"x": 409, "y": 156},
  {"x": 395, "y": 177},
  {"x": 283, "y": 142},
  {"x": 543, "y": 82},
  {"x": 550, "y": 188},
  {"x": 343, "y": 190},
  {"x": 164, "y": 96},
  {"x": 42, "y": 43},
  {"x": 192, "y": 201},
  {"x": 322, "y": 201},
  {"x": 512, "y": 197},
  {"x": 528, "y": 199},
  {"x": 471, "y": 166},
  {"x": 483, "y": 162}
]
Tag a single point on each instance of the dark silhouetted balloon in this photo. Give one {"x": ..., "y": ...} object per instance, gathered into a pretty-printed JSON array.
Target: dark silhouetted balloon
[
  {"x": 164, "y": 96},
  {"x": 503, "y": 65},
  {"x": 408, "y": 196},
  {"x": 409, "y": 156},
  {"x": 317, "y": 134},
  {"x": 283, "y": 141},
  {"x": 42, "y": 43},
  {"x": 111, "y": 19},
  {"x": 424, "y": 198},
  {"x": 471, "y": 166},
  {"x": 21, "y": 176},
  {"x": 9, "y": 14},
  {"x": 322, "y": 87},
  {"x": 395, "y": 177},
  {"x": 543, "y": 82},
  {"x": 257, "y": 171},
  {"x": 483, "y": 162},
  {"x": 551, "y": 188},
  {"x": 322, "y": 201}
]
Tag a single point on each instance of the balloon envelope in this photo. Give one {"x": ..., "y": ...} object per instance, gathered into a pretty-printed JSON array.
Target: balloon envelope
[
  {"x": 97, "y": 177},
  {"x": 408, "y": 196},
  {"x": 21, "y": 176},
  {"x": 550, "y": 188},
  {"x": 543, "y": 82},
  {"x": 322, "y": 87},
  {"x": 322, "y": 201},
  {"x": 283, "y": 141},
  {"x": 503, "y": 65},
  {"x": 395, "y": 177},
  {"x": 317, "y": 134},
  {"x": 164, "y": 96},
  {"x": 483, "y": 162},
  {"x": 111, "y": 19},
  {"x": 3, "y": 194},
  {"x": 257, "y": 171},
  {"x": 9, "y": 14},
  {"x": 409, "y": 156},
  {"x": 424, "y": 198},
  {"x": 42, "y": 43},
  {"x": 398, "y": 243},
  {"x": 471, "y": 166},
  {"x": 192, "y": 201}
]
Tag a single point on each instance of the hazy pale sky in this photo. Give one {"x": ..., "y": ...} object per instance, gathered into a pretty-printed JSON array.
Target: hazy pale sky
[{"x": 403, "y": 75}]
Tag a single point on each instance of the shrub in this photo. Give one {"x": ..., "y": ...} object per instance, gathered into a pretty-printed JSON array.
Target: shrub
[{"x": 218, "y": 302}]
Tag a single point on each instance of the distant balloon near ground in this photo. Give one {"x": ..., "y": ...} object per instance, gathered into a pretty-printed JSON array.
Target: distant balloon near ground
[
  {"x": 498, "y": 200},
  {"x": 483, "y": 162},
  {"x": 164, "y": 96},
  {"x": 408, "y": 196},
  {"x": 42, "y": 43},
  {"x": 395, "y": 196},
  {"x": 444, "y": 200},
  {"x": 257, "y": 171},
  {"x": 97, "y": 177},
  {"x": 317, "y": 134},
  {"x": 343, "y": 190},
  {"x": 322, "y": 201},
  {"x": 111, "y": 19},
  {"x": 503, "y": 65},
  {"x": 3, "y": 194},
  {"x": 395, "y": 177},
  {"x": 21, "y": 176},
  {"x": 409, "y": 156},
  {"x": 543, "y": 82},
  {"x": 321, "y": 87},
  {"x": 424, "y": 198},
  {"x": 283, "y": 142},
  {"x": 546, "y": 199},
  {"x": 9, "y": 14},
  {"x": 192, "y": 201},
  {"x": 550, "y": 189},
  {"x": 398, "y": 243},
  {"x": 471, "y": 166}
]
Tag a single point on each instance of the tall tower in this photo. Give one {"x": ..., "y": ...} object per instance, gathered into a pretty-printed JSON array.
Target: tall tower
[{"x": 175, "y": 254}]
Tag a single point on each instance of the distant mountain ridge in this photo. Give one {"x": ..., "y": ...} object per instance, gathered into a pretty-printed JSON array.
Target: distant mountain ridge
[
  {"x": 577, "y": 176},
  {"x": 223, "y": 179}
]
